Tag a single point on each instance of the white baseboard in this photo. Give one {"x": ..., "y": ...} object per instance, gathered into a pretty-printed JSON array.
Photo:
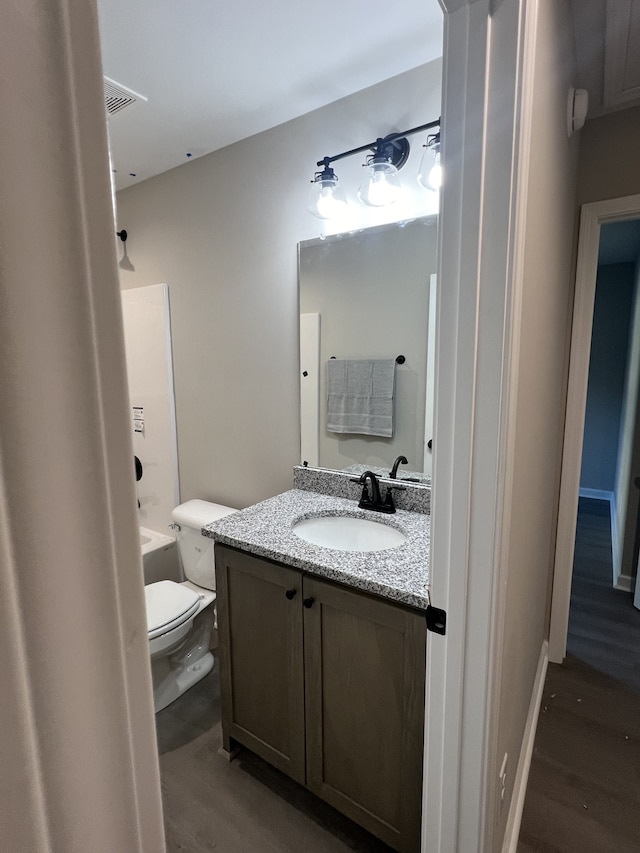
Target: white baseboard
[
  {"x": 514, "y": 820},
  {"x": 596, "y": 494},
  {"x": 625, "y": 583},
  {"x": 616, "y": 545}
]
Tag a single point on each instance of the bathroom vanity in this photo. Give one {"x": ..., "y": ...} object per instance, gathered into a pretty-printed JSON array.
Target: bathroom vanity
[{"x": 322, "y": 657}]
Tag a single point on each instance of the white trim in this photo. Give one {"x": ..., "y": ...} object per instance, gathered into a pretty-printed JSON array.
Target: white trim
[
  {"x": 479, "y": 243},
  {"x": 592, "y": 217},
  {"x": 616, "y": 545},
  {"x": 173, "y": 429},
  {"x": 514, "y": 820},
  {"x": 309, "y": 373},
  {"x": 431, "y": 376},
  {"x": 596, "y": 494},
  {"x": 626, "y": 583},
  {"x": 451, "y": 770}
]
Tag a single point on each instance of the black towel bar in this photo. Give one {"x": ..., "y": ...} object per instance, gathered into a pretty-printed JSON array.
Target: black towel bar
[{"x": 400, "y": 359}]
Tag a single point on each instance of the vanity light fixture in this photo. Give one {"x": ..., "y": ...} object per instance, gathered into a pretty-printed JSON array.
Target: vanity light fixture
[
  {"x": 381, "y": 185},
  {"x": 430, "y": 173},
  {"x": 327, "y": 199}
]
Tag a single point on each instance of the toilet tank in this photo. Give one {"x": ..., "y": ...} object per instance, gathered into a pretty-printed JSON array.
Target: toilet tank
[{"x": 194, "y": 549}]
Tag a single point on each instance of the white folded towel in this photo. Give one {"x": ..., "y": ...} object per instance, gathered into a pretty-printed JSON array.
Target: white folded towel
[{"x": 360, "y": 396}]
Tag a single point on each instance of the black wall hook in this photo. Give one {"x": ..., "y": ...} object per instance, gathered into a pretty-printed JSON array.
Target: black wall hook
[{"x": 122, "y": 235}]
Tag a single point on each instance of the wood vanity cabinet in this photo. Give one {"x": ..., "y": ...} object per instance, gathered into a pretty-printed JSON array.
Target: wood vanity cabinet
[
  {"x": 260, "y": 621},
  {"x": 327, "y": 684}
]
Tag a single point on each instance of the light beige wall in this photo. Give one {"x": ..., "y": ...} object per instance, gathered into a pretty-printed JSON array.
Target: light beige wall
[
  {"x": 609, "y": 162},
  {"x": 223, "y": 232},
  {"x": 541, "y": 342}
]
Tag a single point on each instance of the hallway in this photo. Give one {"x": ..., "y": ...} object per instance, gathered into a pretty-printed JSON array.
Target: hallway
[{"x": 583, "y": 794}]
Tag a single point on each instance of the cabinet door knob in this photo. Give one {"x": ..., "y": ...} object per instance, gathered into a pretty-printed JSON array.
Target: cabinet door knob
[
  {"x": 290, "y": 593},
  {"x": 308, "y": 602}
]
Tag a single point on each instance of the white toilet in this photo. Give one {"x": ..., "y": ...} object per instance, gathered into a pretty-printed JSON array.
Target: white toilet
[{"x": 179, "y": 618}]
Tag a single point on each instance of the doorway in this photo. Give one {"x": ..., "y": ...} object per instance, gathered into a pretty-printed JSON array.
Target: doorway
[{"x": 593, "y": 218}]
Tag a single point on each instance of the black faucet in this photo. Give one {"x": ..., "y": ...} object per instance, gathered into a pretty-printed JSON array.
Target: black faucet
[
  {"x": 393, "y": 473},
  {"x": 374, "y": 501}
]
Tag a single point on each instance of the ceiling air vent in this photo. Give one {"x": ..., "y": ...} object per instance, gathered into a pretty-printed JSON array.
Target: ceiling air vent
[{"x": 117, "y": 97}]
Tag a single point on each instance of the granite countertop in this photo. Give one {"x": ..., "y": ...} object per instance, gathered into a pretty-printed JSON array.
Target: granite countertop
[{"x": 265, "y": 529}]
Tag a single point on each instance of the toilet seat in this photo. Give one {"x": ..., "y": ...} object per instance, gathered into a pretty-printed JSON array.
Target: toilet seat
[{"x": 168, "y": 605}]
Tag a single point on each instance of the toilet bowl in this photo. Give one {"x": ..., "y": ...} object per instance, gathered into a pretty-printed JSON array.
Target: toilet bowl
[{"x": 179, "y": 615}]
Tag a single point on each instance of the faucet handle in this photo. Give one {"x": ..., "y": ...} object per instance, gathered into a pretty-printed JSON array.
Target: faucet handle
[
  {"x": 361, "y": 481},
  {"x": 388, "y": 498}
]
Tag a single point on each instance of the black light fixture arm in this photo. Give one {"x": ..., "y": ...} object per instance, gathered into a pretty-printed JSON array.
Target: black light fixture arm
[{"x": 373, "y": 146}]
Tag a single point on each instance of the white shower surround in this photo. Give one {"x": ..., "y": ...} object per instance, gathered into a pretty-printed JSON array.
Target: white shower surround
[{"x": 147, "y": 328}]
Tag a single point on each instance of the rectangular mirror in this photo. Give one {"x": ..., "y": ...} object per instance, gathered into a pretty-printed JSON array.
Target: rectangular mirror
[{"x": 369, "y": 295}]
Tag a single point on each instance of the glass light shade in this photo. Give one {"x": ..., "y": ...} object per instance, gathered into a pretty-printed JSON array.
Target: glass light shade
[
  {"x": 430, "y": 173},
  {"x": 327, "y": 199},
  {"x": 381, "y": 185}
]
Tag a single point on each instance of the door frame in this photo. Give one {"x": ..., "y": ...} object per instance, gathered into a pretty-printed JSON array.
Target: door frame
[
  {"x": 488, "y": 70},
  {"x": 592, "y": 217}
]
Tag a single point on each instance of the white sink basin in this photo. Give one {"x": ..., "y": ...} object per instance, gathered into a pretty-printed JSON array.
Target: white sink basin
[{"x": 348, "y": 533}]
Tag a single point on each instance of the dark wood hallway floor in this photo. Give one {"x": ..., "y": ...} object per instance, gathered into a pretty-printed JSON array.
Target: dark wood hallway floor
[{"x": 584, "y": 785}]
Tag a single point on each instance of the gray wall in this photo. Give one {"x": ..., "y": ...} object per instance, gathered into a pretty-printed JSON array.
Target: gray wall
[
  {"x": 607, "y": 370},
  {"x": 222, "y": 231}
]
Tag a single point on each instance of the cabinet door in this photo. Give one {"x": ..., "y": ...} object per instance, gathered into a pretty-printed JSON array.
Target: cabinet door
[
  {"x": 261, "y": 658},
  {"x": 365, "y": 682}
]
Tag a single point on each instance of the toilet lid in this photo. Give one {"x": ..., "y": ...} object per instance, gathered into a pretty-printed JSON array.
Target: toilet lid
[{"x": 168, "y": 605}]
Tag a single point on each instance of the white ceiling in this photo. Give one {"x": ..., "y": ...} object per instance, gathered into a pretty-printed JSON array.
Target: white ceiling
[
  {"x": 607, "y": 36},
  {"x": 215, "y": 72}
]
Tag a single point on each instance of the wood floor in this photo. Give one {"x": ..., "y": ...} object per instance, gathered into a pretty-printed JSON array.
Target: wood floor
[
  {"x": 244, "y": 806},
  {"x": 583, "y": 794}
]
